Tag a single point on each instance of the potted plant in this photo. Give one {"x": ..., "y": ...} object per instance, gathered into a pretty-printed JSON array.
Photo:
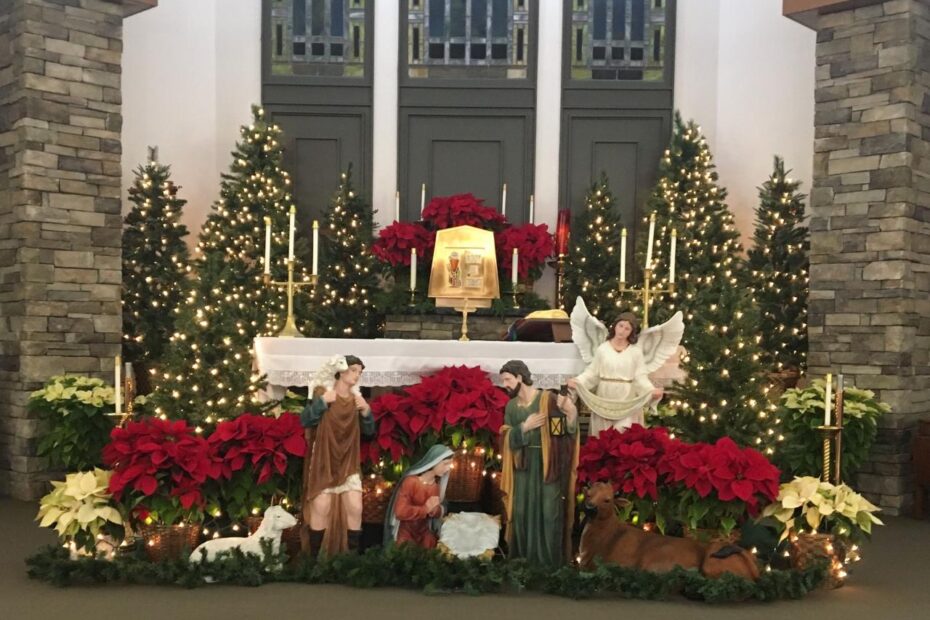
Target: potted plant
[
  {"x": 81, "y": 511},
  {"x": 260, "y": 460},
  {"x": 457, "y": 406},
  {"x": 822, "y": 520},
  {"x": 75, "y": 409},
  {"x": 631, "y": 461},
  {"x": 721, "y": 485},
  {"x": 801, "y": 414},
  {"x": 159, "y": 470}
]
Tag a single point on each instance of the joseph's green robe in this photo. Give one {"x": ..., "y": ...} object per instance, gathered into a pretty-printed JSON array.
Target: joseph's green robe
[{"x": 539, "y": 509}]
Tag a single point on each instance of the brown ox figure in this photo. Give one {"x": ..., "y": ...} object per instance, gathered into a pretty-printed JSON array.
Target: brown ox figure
[{"x": 610, "y": 540}]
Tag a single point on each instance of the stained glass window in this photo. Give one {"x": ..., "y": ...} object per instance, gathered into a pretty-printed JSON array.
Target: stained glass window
[
  {"x": 318, "y": 37},
  {"x": 468, "y": 38},
  {"x": 618, "y": 40}
]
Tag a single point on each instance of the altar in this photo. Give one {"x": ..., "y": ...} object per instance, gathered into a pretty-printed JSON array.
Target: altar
[{"x": 398, "y": 362}]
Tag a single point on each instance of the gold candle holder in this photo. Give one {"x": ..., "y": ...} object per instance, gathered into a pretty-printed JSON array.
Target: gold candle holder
[
  {"x": 290, "y": 325},
  {"x": 830, "y": 435},
  {"x": 646, "y": 293},
  {"x": 559, "y": 265}
]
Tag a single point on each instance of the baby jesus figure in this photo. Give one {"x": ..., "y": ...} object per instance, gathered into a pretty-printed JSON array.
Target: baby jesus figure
[{"x": 415, "y": 511}]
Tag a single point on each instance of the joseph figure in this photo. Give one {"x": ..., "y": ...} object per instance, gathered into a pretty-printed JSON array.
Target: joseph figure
[
  {"x": 332, "y": 494},
  {"x": 539, "y": 452}
]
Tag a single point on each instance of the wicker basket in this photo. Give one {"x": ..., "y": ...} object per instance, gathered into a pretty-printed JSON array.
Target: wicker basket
[
  {"x": 169, "y": 542},
  {"x": 466, "y": 478},
  {"x": 706, "y": 535},
  {"x": 376, "y": 493},
  {"x": 809, "y": 548}
]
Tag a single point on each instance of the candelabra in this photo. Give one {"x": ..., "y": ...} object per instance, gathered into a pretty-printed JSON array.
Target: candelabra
[
  {"x": 290, "y": 326},
  {"x": 647, "y": 292}
]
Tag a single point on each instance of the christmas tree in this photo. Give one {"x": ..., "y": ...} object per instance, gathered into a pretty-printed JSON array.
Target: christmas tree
[
  {"x": 778, "y": 271},
  {"x": 208, "y": 369},
  {"x": 349, "y": 277},
  {"x": 155, "y": 265},
  {"x": 592, "y": 267},
  {"x": 724, "y": 393}
]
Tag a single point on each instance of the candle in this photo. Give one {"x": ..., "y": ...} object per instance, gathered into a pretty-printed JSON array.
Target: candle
[
  {"x": 413, "y": 269},
  {"x": 504, "y": 201},
  {"x": 838, "y": 409},
  {"x": 396, "y": 206},
  {"x": 532, "y": 209},
  {"x": 671, "y": 258},
  {"x": 316, "y": 246},
  {"x": 422, "y": 198},
  {"x": 623, "y": 255},
  {"x": 514, "y": 268},
  {"x": 290, "y": 235},
  {"x": 829, "y": 399},
  {"x": 267, "y": 245},
  {"x": 652, "y": 236},
  {"x": 117, "y": 385}
]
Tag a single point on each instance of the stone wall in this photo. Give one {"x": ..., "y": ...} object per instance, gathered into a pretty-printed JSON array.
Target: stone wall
[
  {"x": 446, "y": 326},
  {"x": 870, "y": 222},
  {"x": 59, "y": 209}
]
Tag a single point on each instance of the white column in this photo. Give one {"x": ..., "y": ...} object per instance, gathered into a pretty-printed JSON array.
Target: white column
[
  {"x": 548, "y": 125},
  {"x": 384, "y": 114}
]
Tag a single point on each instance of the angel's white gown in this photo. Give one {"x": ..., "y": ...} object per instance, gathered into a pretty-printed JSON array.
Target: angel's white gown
[{"x": 621, "y": 377}]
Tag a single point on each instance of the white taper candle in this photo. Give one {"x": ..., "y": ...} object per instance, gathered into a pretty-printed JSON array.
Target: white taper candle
[
  {"x": 652, "y": 236},
  {"x": 532, "y": 209},
  {"x": 515, "y": 267},
  {"x": 396, "y": 206},
  {"x": 413, "y": 269},
  {"x": 316, "y": 246},
  {"x": 829, "y": 400},
  {"x": 290, "y": 234},
  {"x": 623, "y": 255},
  {"x": 504, "y": 200},
  {"x": 118, "y": 385},
  {"x": 671, "y": 258},
  {"x": 422, "y": 198},
  {"x": 267, "y": 245}
]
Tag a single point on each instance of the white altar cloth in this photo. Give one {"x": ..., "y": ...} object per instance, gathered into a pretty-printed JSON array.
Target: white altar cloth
[{"x": 396, "y": 362}]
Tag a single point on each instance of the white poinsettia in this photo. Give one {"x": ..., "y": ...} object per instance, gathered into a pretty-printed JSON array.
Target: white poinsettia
[
  {"x": 80, "y": 508},
  {"x": 822, "y": 506},
  {"x": 63, "y": 391}
]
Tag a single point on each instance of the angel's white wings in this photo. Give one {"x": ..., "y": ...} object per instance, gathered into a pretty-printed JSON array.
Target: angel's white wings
[
  {"x": 325, "y": 376},
  {"x": 587, "y": 332},
  {"x": 661, "y": 342}
]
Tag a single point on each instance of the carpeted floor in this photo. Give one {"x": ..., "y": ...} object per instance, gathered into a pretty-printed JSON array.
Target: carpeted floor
[{"x": 893, "y": 581}]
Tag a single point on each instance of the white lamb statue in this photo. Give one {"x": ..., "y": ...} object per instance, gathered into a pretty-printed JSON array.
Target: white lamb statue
[{"x": 275, "y": 521}]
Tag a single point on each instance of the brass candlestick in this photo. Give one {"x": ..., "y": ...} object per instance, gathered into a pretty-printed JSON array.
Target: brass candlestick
[
  {"x": 830, "y": 435},
  {"x": 838, "y": 416},
  {"x": 413, "y": 297},
  {"x": 516, "y": 289},
  {"x": 465, "y": 310},
  {"x": 647, "y": 292},
  {"x": 290, "y": 326}
]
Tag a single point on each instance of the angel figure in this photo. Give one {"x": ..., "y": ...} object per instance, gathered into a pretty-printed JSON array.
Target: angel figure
[{"x": 615, "y": 386}]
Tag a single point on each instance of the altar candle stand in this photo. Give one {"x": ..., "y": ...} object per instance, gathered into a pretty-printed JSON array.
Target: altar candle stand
[
  {"x": 647, "y": 292},
  {"x": 831, "y": 437},
  {"x": 290, "y": 325}
]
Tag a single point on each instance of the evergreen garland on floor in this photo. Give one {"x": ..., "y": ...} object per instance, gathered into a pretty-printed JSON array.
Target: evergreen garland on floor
[{"x": 408, "y": 566}]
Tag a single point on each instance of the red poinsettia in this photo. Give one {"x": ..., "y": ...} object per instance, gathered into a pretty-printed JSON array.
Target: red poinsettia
[
  {"x": 161, "y": 465},
  {"x": 394, "y": 243},
  {"x": 629, "y": 459},
  {"x": 742, "y": 474},
  {"x": 461, "y": 210},
  {"x": 534, "y": 245},
  {"x": 260, "y": 457},
  {"x": 455, "y": 404}
]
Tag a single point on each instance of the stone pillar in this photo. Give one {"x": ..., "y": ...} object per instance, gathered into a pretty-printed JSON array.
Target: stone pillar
[
  {"x": 60, "y": 218},
  {"x": 870, "y": 221}
]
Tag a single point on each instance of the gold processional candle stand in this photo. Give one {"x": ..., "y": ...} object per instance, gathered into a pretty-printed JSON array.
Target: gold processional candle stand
[
  {"x": 290, "y": 325},
  {"x": 833, "y": 439},
  {"x": 128, "y": 393},
  {"x": 463, "y": 274}
]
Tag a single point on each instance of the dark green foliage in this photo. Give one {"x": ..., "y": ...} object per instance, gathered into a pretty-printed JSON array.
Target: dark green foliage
[
  {"x": 407, "y": 566},
  {"x": 802, "y": 412},
  {"x": 155, "y": 264},
  {"x": 778, "y": 271},
  {"x": 592, "y": 267},
  {"x": 349, "y": 272},
  {"x": 74, "y": 410},
  {"x": 724, "y": 393},
  {"x": 207, "y": 373}
]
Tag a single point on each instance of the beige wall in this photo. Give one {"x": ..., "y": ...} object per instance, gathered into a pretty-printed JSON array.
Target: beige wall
[{"x": 191, "y": 71}]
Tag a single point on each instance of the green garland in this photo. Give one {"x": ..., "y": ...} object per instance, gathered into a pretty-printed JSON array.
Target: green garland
[{"x": 427, "y": 570}]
